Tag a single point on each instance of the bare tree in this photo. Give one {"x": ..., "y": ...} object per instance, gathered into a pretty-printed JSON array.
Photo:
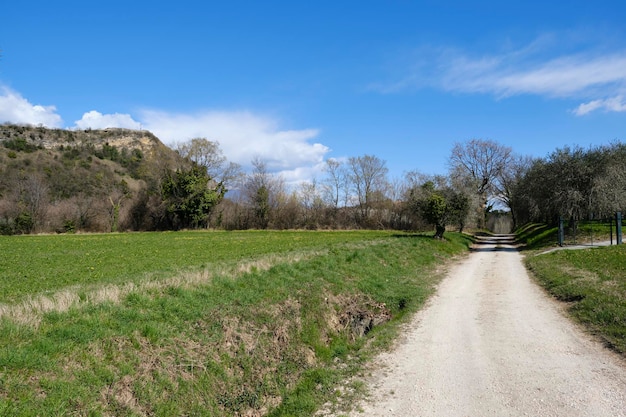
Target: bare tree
[
  {"x": 262, "y": 191},
  {"x": 560, "y": 185},
  {"x": 508, "y": 181},
  {"x": 609, "y": 190},
  {"x": 8, "y": 213},
  {"x": 33, "y": 196},
  {"x": 117, "y": 195},
  {"x": 85, "y": 211},
  {"x": 311, "y": 201},
  {"x": 368, "y": 177},
  {"x": 287, "y": 212},
  {"x": 335, "y": 183},
  {"x": 482, "y": 161}
]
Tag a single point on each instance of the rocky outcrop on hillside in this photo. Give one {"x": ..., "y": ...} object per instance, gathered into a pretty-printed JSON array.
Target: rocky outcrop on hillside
[{"x": 45, "y": 138}]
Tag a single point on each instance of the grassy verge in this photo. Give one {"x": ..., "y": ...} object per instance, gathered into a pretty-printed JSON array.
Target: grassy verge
[
  {"x": 593, "y": 281},
  {"x": 265, "y": 341},
  {"x": 537, "y": 235}
]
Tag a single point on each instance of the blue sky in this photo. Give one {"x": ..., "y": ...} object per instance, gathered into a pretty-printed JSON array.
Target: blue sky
[{"x": 295, "y": 83}]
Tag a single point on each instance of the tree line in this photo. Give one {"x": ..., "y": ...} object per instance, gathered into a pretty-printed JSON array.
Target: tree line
[
  {"x": 570, "y": 183},
  {"x": 107, "y": 189}
]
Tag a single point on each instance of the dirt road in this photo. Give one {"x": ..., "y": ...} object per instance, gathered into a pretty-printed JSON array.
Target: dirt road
[{"x": 490, "y": 343}]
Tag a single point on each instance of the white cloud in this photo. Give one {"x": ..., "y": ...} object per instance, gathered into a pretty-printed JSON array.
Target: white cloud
[
  {"x": 295, "y": 177},
  {"x": 561, "y": 77},
  {"x": 529, "y": 70},
  {"x": 243, "y": 136},
  {"x": 615, "y": 104},
  {"x": 586, "y": 108},
  {"x": 16, "y": 109},
  {"x": 97, "y": 120}
]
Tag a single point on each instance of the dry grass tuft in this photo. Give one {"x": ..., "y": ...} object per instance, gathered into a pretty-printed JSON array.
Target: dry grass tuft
[
  {"x": 356, "y": 314},
  {"x": 121, "y": 395},
  {"x": 30, "y": 311}
]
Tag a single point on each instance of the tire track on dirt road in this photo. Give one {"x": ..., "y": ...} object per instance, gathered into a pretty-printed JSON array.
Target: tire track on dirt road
[{"x": 491, "y": 343}]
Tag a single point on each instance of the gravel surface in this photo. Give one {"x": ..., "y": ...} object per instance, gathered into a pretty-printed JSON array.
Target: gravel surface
[{"x": 491, "y": 343}]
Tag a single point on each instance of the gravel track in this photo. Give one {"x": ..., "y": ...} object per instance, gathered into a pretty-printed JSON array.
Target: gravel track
[{"x": 491, "y": 343}]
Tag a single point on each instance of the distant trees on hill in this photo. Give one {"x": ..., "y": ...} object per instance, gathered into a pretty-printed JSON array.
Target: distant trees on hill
[{"x": 99, "y": 186}]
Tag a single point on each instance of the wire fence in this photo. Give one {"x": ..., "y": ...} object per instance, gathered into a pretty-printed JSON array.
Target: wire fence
[{"x": 592, "y": 232}]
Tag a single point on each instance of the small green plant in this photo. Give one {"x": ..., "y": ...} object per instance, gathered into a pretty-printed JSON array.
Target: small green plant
[
  {"x": 24, "y": 222},
  {"x": 20, "y": 145},
  {"x": 69, "y": 226}
]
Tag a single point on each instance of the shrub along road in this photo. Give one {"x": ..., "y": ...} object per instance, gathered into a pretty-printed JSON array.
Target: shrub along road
[{"x": 491, "y": 343}]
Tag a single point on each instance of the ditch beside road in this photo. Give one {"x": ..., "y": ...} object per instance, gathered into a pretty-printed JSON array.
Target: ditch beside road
[{"x": 492, "y": 343}]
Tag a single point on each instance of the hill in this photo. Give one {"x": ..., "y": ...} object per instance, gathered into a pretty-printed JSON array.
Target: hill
[
  {"x": 54, "y": 139},
  {"x": 55, "y": 180}
]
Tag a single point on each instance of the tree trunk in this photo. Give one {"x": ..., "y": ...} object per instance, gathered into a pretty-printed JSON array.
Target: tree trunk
[{"x": 439, "y": 231}]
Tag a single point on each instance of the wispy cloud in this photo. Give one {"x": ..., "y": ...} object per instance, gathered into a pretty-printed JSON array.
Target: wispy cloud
[
  {"x": 599, "y": 78},
  {"x": 16, "y": 109},
  {"x": 571, "y": 76},
  {"x": 615, "y": 104}
]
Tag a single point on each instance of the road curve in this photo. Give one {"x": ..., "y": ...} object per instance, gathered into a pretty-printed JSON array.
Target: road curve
[{"x": 491, "y": 343}]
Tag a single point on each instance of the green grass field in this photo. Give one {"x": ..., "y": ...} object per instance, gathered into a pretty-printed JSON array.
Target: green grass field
[
  {"x": 594, "y": 282},
  {"x": 42, "y": 264},
  {"x": 202, "y": 323}
]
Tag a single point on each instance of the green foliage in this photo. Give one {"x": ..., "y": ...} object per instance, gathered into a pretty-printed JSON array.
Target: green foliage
[
  {"x": 109, "y": 152},
  {"x": 6, "y": 227},
  {"x": 435, "y": 211},
  {"x": 20, "y": 145},
  {"x": 458, "y": 206},
  {"x": 131, "y": 160},
  {"x": 24, "y": 222},
  {"x": 440, "y": 206},
  {"x": 190, "y": 197},
  {"x": 262, "y": 206},
  {"x": 594, "y": 282},
  {"x": 250, "y": 343},
  {"x": 69, "y": 226},
  {"x": 71, "y": 153}
]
